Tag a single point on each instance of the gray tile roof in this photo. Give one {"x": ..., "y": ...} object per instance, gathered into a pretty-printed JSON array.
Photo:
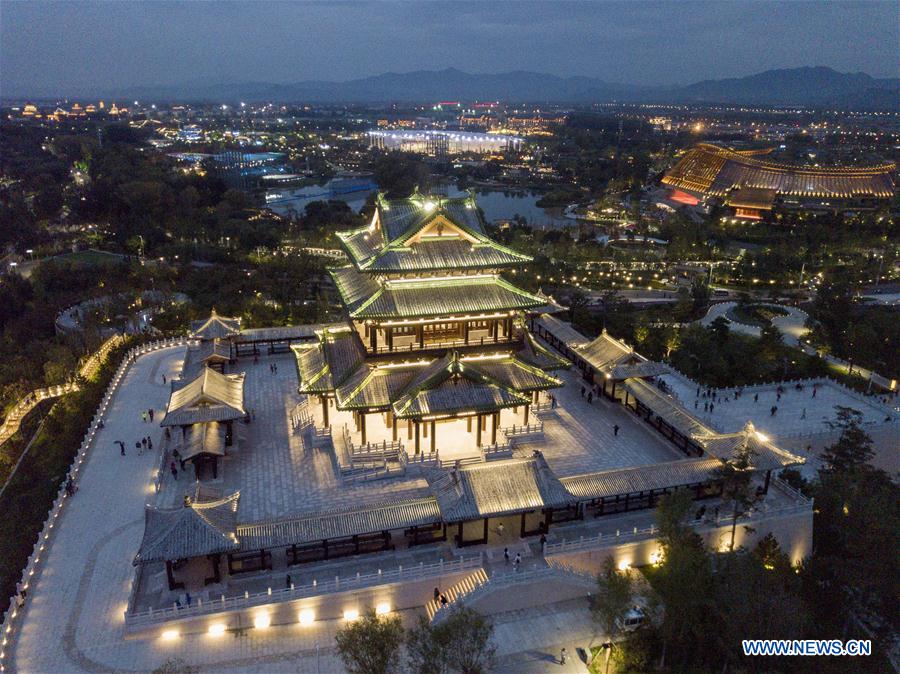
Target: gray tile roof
[
  {"x": 498, "y": 488},
  {"x": 209, "y": 396},
  {"x": 764, "y": 455},
  {"x": 181, "y": 533},
  {"x": 327, "y": 364},
  {"x": 365, "y": 298},
  {"x": 604, "y": 353},
  {"x": 666, "y": 407},
  {"x": 534, "y": 353},
  {"x": 215, "y": 327},
  {"x": 338, "y": 524},
  {"x": 640, "y": 478},
  {"x": 563, "y": 331},
  {"x": 207, "y": 438}
]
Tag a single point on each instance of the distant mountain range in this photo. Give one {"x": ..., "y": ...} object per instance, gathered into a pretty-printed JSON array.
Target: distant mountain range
[{"x": 810, "y": 87}]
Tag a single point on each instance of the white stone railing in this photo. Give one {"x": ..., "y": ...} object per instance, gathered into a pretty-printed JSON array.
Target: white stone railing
[
  {"x": 515, "y": 431},
  {"x": 636, "y": 533},
  {"x": 33, "y": 567},
  {"x": 336, "y": 584}
]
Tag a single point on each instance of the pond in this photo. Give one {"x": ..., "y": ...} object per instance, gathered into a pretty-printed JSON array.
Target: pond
[{"x": 496, "y": 204}]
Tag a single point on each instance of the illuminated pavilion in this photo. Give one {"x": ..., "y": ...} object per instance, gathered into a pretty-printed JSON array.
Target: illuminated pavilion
[
  {"x": 435, "y": 344},
  {"x": 751, "y": 184}
]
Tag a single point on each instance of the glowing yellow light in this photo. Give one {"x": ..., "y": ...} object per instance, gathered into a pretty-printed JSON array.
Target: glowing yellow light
[
  {"x": 351, "y": 614},
  {"x": 624, "y": 565},
  {"x": 262, "y": 621},
  {"x": 307, "y": 616},
  {"x": 168, "y": 635},
  {"x": 383, "y": 608},
  {"x": 217, "y": 629},
  {"x": 762, "y": 437}
]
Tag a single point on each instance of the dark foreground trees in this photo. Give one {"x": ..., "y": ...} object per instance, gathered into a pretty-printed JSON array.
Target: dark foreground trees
[{"x": 461, "y": 642}]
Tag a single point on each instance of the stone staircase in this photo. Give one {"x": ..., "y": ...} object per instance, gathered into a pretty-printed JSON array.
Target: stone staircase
[
  {"x": 484, "y": 582},
  {"x": 455, "y": 593}
]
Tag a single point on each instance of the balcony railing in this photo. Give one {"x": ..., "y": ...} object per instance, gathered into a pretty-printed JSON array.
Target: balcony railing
[{"x": 442, "y": 344}]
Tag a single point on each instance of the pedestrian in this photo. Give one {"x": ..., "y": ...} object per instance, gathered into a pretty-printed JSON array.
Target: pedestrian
[
  {"x": 187, "y": 598},
  {"x": 437, "y": 594},
  {"x": 164, "y": 379},
  {"x": 706, "y": 407},
  {"x": 563, "y": 656},
  {"x": 778, "y": 397},
  {"x": 506, "y": 555},
  {"x": 616, "y": 430},
  {"x": 121, "y": 447},
  {"x": 500, "y": 529},
  {"x": 772, "y": 410},
  {"x": 711, "y": 407},
  {"x": 149, "y": 442},
  {"x": 288, "y": 582},
  {"x": 814, "y": 392},
  {"x": 518, "y": 560},
  {"x": 137, "y": 446},
  {"x": 150, "y": 412},
  {"x": 144, "y": 417},
  {"x": 590, "y": 397},
  {"x": 276, "y": 367},
  {"x": 695, "y": 404},
  {"x": 803, "y": 416},
  {"x": 543, "y": 542},
  {"x": 756, "y": 397},
  {"x": 174, "y": 470},
  {"x": 582, "y": 391},
  {"x": 443, "y": 600}
]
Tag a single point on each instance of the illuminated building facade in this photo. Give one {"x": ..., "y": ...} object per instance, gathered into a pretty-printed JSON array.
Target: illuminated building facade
[
  {"x": 437, "y": 142},
  {"x": 752, "y": 185}
]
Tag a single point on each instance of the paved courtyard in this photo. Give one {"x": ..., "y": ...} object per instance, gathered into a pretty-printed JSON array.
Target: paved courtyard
[
  {"x": 73, "y": 619},
  {"x": 798, "y": 412}
]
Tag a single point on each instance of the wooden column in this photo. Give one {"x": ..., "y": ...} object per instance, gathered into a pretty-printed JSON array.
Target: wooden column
[
  {"x": 418, "y": 448},
  {"x": 420, "y": 332},
  {"x": 466, "y": 332},
  {"x": 390, "y": 338},
  {"x": 324, "y": 400},
  {"x": 494, "y": 428},
  {"x": 478, "y": 432},
  {"x": 527, "y": 406},
  {"x": 433, "y": 435},
  {"x": 522, "y": 528},
  {"x": 468, "y": 424},
  {"x": 409, "y": 429},
  {"x": 373, "y": 337},
  {"x": 393, "y": 426},
  {"x": 362, "y": 426}
]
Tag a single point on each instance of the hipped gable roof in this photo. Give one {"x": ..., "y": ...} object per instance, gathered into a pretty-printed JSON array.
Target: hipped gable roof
[
  {"x": 498, "y": 488},
  {"x": 209, "y": 396},
  {"x": 200, "y": 529}
]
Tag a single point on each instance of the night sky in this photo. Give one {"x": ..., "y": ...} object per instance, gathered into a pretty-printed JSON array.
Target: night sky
[{"x": 51, "y": 48}]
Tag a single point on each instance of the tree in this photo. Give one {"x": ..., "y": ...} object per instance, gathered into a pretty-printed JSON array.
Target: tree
[
  {"x": 461, "y": 642},
  {"x": 720, "y": 330},
  {"x": 371, "y": 644},
  {"x": 612, "y": 602},
  {"x": 854, "y": 446},
  {"x": 737, "y": 483},
  {"x": 700, "y": 293}
]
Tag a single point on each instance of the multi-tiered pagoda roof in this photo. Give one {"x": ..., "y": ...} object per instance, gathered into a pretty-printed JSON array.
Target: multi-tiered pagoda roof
[{"x": 425, "y": 271}]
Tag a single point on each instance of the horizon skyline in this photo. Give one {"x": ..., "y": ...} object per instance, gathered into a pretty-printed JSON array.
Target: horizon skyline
[{"x": 62, "y": 49}]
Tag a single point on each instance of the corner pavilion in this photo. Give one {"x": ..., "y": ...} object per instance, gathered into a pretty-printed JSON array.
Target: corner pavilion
[{"x": 435, "y": 345}]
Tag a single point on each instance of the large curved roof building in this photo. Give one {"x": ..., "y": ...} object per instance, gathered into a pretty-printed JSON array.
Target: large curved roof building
[{"x": 712, "y": 171}]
